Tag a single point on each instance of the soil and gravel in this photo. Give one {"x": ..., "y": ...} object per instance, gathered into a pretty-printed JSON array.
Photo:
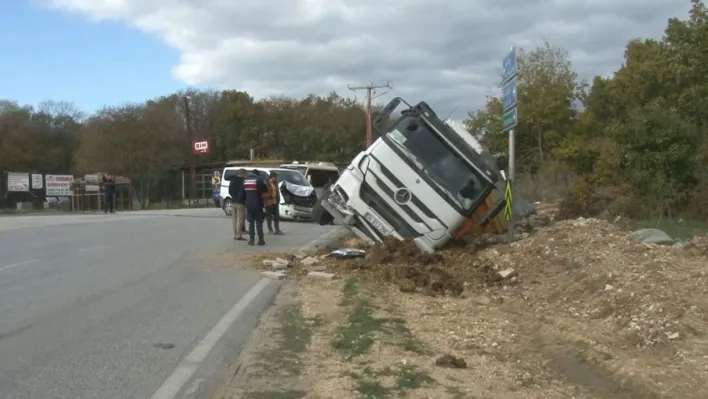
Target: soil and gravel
[{"x": 575, "y": 309}]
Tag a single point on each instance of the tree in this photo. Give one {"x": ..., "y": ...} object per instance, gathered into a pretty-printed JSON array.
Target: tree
[{"x": 547, "y": 87}]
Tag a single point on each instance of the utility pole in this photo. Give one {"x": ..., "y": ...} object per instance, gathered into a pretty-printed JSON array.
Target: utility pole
[
  {"x": 370, "y": 90},
  {"x": 192, "y": 156}
]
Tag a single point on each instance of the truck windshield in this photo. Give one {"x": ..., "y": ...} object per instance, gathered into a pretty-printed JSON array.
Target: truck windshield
[{"x": 430, "y": 154}]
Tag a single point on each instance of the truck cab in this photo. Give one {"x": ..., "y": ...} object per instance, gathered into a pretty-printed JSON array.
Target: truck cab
[{"x": 421, "y": 180}]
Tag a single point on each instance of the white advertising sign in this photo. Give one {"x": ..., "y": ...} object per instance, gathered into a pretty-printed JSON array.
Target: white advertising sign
[
  {"x": 37, "y": 181},
  {"x": 92, "y": 179},
  {"x": 18, "y": 182},
  {"x": 59, "y": 185}
]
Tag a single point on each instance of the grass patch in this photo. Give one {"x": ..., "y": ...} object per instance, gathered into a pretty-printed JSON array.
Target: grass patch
[
  {"x": 456, "y": 393},
  {"x": 291, "y": 339},
  {"x": 406, "y": 378},
  {"x": 358, "y": 335},
  {"x": 363, "y": 327},
  {"x": 372, "y": 390},
  {"x": 676, "y": 228},
  {"x": 349, "y": 291},
  {"x": 412, "y": 378}
]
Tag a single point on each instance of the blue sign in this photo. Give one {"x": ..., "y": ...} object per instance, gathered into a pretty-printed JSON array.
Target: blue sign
[
  {"x": 509, "y": 95},
  {"x": 509, "y": 66},
  {"x": 509, "y": 119}
]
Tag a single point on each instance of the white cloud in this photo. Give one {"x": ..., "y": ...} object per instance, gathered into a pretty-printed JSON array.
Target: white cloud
[{"x": 447, "y": 53}]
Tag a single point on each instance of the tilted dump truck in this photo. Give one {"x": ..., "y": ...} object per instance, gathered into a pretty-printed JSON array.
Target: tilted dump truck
[{"x": 424, "y": 179}]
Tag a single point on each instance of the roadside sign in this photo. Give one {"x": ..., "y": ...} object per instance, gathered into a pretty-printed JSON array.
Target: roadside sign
[
  {"x": 509, "y": 66},
  {"x": 509, "y": 95},
  {"x": 508, "y": 198},
  {"x": 37, "y": 181},
  {"x": 215, "y": 181},
  {"x": 509, "y": 120},
  {"x": 200, "y": 146},
  {"x": 509, "y": 91},
  {"x": 59, "y": 185},
  {"x": 18, "y": 182}
]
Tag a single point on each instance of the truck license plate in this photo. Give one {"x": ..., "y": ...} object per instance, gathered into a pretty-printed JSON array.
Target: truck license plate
[{"x": 377, "y": 223}]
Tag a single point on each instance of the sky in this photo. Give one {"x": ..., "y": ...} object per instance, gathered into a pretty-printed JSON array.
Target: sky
[{"x": 96, "y": 52}]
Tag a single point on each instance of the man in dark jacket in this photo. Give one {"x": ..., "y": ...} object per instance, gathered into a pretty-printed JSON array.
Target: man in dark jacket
[
  {"x": 238, "y": 210},
  {"x": 253, "y": 189},
  {"x": 109, "y": 193}
]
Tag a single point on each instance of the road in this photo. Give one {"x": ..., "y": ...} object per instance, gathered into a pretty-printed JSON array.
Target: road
[{"x": 109, "y": 306}]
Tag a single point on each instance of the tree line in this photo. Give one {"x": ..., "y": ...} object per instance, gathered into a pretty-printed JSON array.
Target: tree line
[
  {"x": 147, "y": 141},
  {"x": 634, "y": 143}
]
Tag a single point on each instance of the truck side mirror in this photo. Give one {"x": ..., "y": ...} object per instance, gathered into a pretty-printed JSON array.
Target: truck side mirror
[{"x": 386, "y": 112}]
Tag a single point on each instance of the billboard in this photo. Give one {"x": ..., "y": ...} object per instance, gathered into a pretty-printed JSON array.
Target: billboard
[
  {"x": 18, "y": 182},
  {"x": 59, "y": 185}
]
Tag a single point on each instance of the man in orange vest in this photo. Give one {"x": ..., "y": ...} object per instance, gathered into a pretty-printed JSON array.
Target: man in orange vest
[{"x": 271, "y": 200}]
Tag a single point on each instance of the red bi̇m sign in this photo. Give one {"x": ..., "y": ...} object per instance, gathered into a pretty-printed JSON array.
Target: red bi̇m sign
[{"x": 200, "y": 147}]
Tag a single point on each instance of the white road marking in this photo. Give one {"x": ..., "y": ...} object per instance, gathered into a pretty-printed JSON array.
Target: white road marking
[
  {"x": 11, "y": 265},
  {"x": 188, "y": 366}
]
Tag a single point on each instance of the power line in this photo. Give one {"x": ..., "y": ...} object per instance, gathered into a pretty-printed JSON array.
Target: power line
[{"x": 370, "y": 90}]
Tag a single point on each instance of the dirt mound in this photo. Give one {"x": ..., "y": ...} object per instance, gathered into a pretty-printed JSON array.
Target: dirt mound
[
  {"x": 590, "y": 270},
  {"x": 697, "y": 247},
  {"x": 587, "y": 268}
]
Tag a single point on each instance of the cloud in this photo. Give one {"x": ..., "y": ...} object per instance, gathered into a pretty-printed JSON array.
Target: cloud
[{"x": 448, "y": 53}]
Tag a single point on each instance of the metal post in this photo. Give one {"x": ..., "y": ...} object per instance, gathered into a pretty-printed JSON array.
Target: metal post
[
  {"x": 369, "y": 96},
  {"x": 192, "y": 157},
  {"x": 512, "y": 178},
  {"x": 368, "y": 116},
  {"x": 509, "y": 122}
]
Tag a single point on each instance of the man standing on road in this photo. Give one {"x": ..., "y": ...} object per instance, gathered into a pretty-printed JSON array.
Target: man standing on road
[
  {"x": 271, "y": 201},
  {"x": 238, "y": 209},
  {"x": 109, "y": 193},
  {"x": 253, "y": 189}
]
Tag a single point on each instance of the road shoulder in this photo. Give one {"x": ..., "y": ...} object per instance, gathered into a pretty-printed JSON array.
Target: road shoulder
[{"x": 271, "y": 363}]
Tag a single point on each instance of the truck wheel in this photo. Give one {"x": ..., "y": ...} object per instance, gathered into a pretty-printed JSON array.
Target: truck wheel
[{"x": 319, "y": 214}]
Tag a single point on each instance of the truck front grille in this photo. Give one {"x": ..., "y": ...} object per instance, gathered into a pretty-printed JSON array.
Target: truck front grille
[{"x": 374, "y": 200}]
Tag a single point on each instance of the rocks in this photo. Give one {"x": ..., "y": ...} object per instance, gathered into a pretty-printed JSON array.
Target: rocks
[
  {"x": 651, "y": 236},
  {"x": 507, "y": 273},
  {"x": 317, "y": 268},
  {"x": 279, "y": 267},
  {"x": 451, "y": 361},
  {"x": 321, "y": 276},
  {"x": 277, "y": 264},
  {"x": 309, "y": 261}
]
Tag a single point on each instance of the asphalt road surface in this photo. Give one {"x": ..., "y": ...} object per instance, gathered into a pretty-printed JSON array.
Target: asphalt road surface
[{"x": 126, "y": 305}]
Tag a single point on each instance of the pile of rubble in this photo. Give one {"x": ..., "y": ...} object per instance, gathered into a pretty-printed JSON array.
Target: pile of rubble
[
  {"x": 279, "y": 268},
  {"x": 591, "y": 270}
]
